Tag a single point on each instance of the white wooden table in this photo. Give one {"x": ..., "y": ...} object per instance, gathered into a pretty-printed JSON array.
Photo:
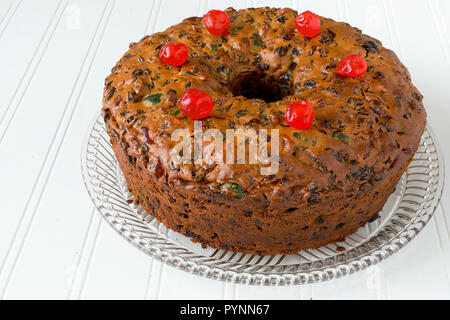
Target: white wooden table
[{"x": 54, "y": 56}]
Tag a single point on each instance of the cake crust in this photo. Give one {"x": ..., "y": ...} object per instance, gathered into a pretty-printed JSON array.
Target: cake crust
[{"x": 333, "y": 177}]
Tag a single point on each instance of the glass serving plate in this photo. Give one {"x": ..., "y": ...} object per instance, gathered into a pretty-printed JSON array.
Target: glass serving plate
[{"x": 404, "y": 215}]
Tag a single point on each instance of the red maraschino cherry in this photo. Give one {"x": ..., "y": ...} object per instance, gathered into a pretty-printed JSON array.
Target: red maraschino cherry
[
  {"x": 216, "y": 22},
  {"x": 196, "y": 104},
  {"x": 299, "y": 114},
  {"x": 174, "y": 54},
  {"x": 308, "y": 24},
  {"x": 352, "y": 66}
]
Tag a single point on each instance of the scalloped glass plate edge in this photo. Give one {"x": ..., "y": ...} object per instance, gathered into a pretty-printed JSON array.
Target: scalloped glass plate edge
[{"x": 403, "y": 217}]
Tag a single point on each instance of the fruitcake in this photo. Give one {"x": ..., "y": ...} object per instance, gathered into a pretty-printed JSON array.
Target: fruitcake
[{"x": 334, "y": 176}]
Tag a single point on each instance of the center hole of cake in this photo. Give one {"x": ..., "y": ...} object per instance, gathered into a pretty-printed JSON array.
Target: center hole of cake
[{"x": 259, "y": 85}]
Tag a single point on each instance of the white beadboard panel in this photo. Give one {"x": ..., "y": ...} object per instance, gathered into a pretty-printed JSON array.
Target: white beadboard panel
[
  {"x": 5, "y": 7},
  {"x": 440, "y": 10},
  {"x": 15, "y": 200},
  {"x": 181, "y": 285},
  {"x": 117, "y": 269},
  {"x": 184, "y": 10},
  {"x": 57, "y": 246},
  {"x": 443, "y": 238},
  {"x": 45, "y": 112},
  {"x": 222, "y": 5},
  {"x": 273, "y": 3},
  {"x": 7, "y": 10},
  {"x": 20, "y": 65},
  {"x": 154, "y": 280},
  {"x": 112, "y": 45},
  {"x": 230, "y": 291},
  {"x": 371, "y": 18},
  {"x": 430, "y": 70},
  {"x": 418, "y": 270},
  {"x": 367, "y": 284},
  {"x": 77, "y": 271},
  {"x": 433, "y": 84},
  {"x": 278, "y": 293},
  {"x": 326, "y": 8}
]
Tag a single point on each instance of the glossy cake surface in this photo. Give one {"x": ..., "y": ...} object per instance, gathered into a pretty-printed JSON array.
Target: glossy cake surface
[{"x": 333, "y": 177}]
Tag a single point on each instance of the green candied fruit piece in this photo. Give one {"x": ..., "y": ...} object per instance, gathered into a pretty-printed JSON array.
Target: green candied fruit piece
[
  {"x": 238, "y": 191},
  {"x": 154, "y": 99},
  {"x": 236, "y": 29},
  {"x": 264, "y": 115},
  {"x": 300, "y": 137},
  {"x": 241, "y": 113},
  {"x": 228, "y": 72},
  {"x": 256, "y": 41},
  {"x": 174, "y": 112},
  {"x": 338, "y": 135},
  {"x": 142, "y": 198}
]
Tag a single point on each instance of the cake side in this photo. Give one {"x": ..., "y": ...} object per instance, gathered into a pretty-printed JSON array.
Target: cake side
[{"x": 229, "y": 224}]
